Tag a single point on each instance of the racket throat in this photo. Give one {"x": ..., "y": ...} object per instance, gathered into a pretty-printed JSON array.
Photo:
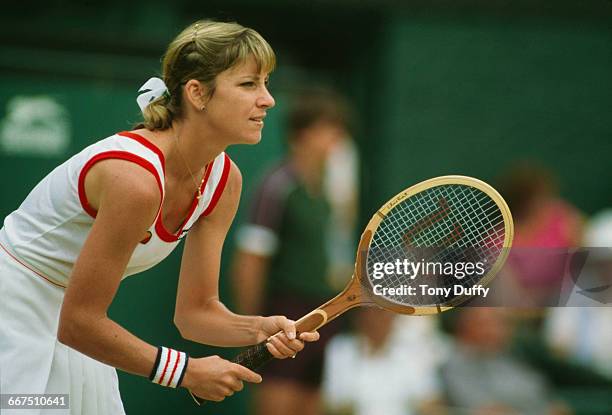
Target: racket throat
[{"x": 347, "y": 299}]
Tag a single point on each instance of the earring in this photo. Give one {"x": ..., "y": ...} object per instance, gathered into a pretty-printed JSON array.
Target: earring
[{"x": 202, "y": 108}]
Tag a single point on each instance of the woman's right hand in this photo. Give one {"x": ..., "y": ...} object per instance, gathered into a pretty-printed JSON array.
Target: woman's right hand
[{"x": 213, "y": 378}]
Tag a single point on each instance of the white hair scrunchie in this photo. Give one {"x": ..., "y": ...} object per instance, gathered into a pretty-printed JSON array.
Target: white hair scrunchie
[{"x": 150, "y": 91}]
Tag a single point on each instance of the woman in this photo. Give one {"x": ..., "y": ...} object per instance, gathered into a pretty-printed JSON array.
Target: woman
[{"x": 121, "y": 206}]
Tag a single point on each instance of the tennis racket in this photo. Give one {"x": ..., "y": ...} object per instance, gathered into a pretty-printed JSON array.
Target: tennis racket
[{"x": 424, "y": 236}]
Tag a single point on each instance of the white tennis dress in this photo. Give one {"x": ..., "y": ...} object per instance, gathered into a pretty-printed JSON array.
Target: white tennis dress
[{"x": 39, "y": 244}]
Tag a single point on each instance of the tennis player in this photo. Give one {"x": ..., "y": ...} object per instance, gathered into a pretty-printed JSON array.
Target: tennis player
[{"x": 118, "y": 208}]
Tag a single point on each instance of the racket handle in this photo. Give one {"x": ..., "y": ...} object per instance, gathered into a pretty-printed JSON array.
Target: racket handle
[{"x": 253, "y": 358}]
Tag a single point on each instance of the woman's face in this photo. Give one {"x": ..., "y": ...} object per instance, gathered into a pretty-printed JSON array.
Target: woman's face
[{"x": 238, "y": 106}]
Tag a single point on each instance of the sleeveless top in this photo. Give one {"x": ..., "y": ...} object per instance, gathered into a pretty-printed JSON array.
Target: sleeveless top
[{"x": 47, "y": 231}]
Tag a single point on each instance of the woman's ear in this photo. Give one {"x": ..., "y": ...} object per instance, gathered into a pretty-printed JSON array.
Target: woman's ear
[{"x": 196, "y": 94}]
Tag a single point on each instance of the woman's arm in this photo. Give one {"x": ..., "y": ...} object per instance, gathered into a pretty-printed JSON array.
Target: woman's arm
[
  {"x": 200, "y": 316},
  {"x": 127, "y": 201},
  {"x": 249, "y": 275}
]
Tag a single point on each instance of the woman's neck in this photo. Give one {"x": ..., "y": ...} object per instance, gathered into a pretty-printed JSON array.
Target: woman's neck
[{"x": 186, "y": 153}]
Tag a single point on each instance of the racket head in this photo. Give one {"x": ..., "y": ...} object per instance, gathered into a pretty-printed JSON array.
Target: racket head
[{"x": 447, "y": 219}]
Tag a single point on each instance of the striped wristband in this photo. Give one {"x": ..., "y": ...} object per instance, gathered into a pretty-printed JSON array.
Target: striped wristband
[{"x": 169, "y": 368}]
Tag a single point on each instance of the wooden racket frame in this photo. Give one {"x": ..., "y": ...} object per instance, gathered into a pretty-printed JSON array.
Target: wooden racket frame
[{"x": 354, "y": 293}]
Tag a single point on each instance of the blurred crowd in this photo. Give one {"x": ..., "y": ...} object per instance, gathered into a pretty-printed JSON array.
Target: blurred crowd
[{"x": 546, "y": 348}]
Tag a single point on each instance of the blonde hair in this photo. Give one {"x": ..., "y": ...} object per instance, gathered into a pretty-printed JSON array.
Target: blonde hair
[{"x": 202, "y": 51}]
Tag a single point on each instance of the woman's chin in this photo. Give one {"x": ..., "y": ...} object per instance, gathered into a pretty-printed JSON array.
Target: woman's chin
[{"x": 254, "y": 139}]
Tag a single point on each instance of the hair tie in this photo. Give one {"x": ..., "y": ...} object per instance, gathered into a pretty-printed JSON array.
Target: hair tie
[{"x": 150, "y": 91}]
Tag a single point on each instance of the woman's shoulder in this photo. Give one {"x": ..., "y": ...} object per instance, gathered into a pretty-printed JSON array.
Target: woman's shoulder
[{"x": 122, "y": 182}]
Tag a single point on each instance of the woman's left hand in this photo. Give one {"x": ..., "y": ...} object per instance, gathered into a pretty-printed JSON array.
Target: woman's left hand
[{"x": 280, "y": 334}]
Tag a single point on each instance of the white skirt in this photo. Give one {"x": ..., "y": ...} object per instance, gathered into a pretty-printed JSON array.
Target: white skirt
[{"x": 33, "y": 361}]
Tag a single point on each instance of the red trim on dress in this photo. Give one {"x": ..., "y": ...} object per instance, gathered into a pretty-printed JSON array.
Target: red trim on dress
[
  {"x": 161, "y": 230},
  {"x": 147, "y": 144},
  {"x": 31, "y": 269},
  {"x": 122, "y": 155},
  {"x": 220, "y": 187}
]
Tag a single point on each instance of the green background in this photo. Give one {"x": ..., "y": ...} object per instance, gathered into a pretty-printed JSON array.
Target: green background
[{"x": 439, "y": 87}]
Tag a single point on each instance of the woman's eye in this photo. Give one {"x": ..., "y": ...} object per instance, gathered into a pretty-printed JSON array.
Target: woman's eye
[{"x": 248, "y": 84}]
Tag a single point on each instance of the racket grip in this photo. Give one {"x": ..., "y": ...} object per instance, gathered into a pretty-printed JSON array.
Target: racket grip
[{"x": 253, "y": 358}]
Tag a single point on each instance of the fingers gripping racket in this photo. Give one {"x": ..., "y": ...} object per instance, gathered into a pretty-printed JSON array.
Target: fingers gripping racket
[{"x": 419, "y": 238}]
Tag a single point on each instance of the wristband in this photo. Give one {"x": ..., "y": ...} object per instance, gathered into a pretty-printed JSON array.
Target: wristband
[{"x": 169, "y": 368}]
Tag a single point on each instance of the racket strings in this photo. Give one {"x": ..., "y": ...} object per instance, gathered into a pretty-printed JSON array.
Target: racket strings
[
  {"x": 446, "y": 224},
  {"x": 467, "y": 208}
]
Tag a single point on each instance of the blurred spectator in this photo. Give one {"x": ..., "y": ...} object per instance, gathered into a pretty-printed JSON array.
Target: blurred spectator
[
  {"x": 582, "y": 331},
  {"x": 388, "y": 366},
  {"x": 545, "y": 227},
  {"x": 282, "y": 262},
  {"x": 482, "y": 377},
  {"x": 341, "y": 188}
]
